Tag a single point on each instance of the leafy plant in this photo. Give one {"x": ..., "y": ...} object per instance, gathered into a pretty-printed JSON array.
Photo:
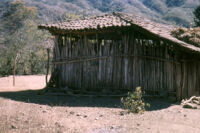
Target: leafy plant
[
  {"x": 197, "y": 16},
  {"x": 189, "y": 35},
  {"x": 134, "y": 102}
]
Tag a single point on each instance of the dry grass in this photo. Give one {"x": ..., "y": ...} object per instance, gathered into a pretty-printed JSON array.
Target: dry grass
[{"x": 191, "y": 35}]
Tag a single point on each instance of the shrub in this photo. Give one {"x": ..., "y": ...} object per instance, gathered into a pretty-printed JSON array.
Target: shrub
[
  {"x": 133, "y": 102},
  {"x": 190, "y": 35}
]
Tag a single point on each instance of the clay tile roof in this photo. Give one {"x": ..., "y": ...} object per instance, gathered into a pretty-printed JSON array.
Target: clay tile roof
[
  {"x": 117, "y": 20},
  {"x": 88, "y": 23},
  {"x": 160, "y": 30},
  {"x": 108, "y": 20}
]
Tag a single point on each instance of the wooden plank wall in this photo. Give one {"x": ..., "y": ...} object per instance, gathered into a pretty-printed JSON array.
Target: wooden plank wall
[
  {"x": 91, "y": 63},
  {"x": 190, "y": 79}
]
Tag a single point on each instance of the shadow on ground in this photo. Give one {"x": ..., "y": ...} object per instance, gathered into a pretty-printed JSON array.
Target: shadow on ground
[{"x": 56, "y": 99}]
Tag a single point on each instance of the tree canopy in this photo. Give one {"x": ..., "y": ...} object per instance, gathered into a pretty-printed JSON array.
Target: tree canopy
[
  {"x": 16, "y": 15},
  {"x": 197, "y": 16},
  {"x": 22, "y": 41}
]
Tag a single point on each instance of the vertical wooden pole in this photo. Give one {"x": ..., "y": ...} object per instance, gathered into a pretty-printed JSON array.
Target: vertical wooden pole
[
  {"x": 48, "y": 50},
  {"x": 14, "y": 71}
]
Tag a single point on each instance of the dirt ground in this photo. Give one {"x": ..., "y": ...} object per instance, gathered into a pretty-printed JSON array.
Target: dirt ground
[{"x": 23, "y": 111}]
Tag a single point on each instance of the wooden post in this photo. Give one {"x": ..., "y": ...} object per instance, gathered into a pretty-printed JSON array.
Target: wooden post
[
  {"x": 14, "y": 71},
  {"x": 48, "y": 50},
  {"x": 14, "y": 68}
]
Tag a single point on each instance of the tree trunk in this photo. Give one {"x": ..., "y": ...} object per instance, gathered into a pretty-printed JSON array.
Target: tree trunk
[
  {"x": 48, "y": 50},
  {"x": 14, "y": 70}
]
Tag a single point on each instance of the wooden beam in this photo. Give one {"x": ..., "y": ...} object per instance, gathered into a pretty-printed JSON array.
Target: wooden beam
[
  {"x": 81, "y": 59},
  {"x": 48, "y": 62}
]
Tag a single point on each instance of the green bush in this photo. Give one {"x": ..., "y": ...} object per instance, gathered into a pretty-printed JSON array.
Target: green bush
[{"x": 133, "y": 102}]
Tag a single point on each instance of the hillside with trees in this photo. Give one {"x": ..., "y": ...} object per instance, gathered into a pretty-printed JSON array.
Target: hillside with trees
[
  {"x": 178, "y": 12},
  {"x": 22, "y": 43},
  {"x": 175, "y": 11}
]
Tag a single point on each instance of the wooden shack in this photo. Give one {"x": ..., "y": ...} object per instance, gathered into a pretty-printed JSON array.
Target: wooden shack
[{"x": 120, "y": 52}]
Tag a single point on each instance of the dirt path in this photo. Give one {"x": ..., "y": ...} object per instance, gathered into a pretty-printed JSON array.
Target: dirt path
[
  {"x": 23, "y": 111},
  {"x": 22, "y": 83}
]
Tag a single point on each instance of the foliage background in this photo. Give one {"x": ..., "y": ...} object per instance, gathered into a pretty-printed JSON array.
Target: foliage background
[
  {"x": 20, "y": 39},
  {"x": 178, "y": 12}
]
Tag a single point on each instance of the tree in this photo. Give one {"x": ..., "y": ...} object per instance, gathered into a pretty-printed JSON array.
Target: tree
[
  {"x": 22, "y": 40},
  {"x": 17, "y": 14},
  {"x": 72, "y": 16},
  {"x": 197, "y": 16}
]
